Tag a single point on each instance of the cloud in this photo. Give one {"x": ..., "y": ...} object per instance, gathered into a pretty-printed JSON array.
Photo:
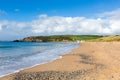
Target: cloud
[
  {"x": 17, "y": 10},
  {"x": 108, "y": 24},
  {"x": 111, "y": 15},
  {"x": 0, "y": 27},
  {"x": 2, "y": 12}
]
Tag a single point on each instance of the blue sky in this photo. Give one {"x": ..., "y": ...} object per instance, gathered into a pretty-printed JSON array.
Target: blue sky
[
  {"x": 26, "y": 10},
  {"x": 21, "y": 18}
]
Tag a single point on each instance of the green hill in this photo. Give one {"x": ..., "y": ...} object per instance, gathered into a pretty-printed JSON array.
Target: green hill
[
  {"x": 107, "y": 39},
  {"x": 58, "y": 38}
]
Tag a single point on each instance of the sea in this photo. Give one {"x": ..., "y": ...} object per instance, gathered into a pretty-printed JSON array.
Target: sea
[{"x": 16, "y": 56}]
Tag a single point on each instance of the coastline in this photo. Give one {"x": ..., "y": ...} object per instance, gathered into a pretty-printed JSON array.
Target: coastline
[
  {"x": 39, "y": 58},
  {"x": 29, "y": 67},
  {"x": 8, "y": 76},
  {"x": 86, "y": 62}
]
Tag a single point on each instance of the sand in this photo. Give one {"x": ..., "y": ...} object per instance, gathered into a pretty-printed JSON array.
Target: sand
[{"x": 91, "y": 61}]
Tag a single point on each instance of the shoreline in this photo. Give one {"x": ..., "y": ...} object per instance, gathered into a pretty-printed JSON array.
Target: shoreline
[
  {"x": 11, "y": 74},
  {"x": 87, "y": 61},
  {"x": 15, "y": 72},
  {"x": 28, "y": 68},
  {"x": 58, "y": 56},
  {"x": 22, "y": 69}
]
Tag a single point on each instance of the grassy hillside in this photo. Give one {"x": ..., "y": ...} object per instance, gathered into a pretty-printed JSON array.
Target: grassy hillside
[
  {"x": 107, "y": 39},
  {"x": 59, "y": 38}
]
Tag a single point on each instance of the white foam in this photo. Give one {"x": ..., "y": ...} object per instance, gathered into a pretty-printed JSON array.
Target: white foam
[
  {"x": 39, "y": 59},
  {"x": 29, "y": 67}
]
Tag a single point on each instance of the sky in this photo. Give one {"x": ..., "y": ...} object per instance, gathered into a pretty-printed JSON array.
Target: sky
[{"x": 22, "y": 18}]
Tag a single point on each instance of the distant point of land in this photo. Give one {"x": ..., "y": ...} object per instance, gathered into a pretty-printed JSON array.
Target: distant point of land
[{"x": 70, "y": 38}]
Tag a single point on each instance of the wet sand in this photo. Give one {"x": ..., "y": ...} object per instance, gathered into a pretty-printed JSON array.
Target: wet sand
[{"x": 91, "y": 61}]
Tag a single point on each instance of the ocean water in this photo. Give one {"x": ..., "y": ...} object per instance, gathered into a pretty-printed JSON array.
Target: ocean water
[{"x": 15, "y": 56}]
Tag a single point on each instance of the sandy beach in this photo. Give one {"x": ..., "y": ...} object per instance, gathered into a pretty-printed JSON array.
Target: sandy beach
[{"x": 91, "y": 61}]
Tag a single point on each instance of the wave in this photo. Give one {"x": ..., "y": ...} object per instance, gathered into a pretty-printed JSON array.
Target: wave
[{"x": 22, "y": 61}]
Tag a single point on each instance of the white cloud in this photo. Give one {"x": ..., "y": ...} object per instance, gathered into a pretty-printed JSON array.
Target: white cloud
[
  {"x": 52, "y": 25},
  {"x": 17, "y": 10},
  {"x": 43, "y": 16},
  {"x": 111, "y": 15},
  {"x": 0, "y": 27},
  {"x": 74, "y": 25},
  {"x": 2, "y": 12}
]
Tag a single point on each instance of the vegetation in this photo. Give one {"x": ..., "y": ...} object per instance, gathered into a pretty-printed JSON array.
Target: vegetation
[
  {"x": 107, "y": 39},
  {"x": 70, "y": 38},
  {"x": 58, "y": 38}
]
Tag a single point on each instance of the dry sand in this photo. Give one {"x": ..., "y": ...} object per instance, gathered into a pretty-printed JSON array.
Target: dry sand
[{"x": 91, "y": 61}]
